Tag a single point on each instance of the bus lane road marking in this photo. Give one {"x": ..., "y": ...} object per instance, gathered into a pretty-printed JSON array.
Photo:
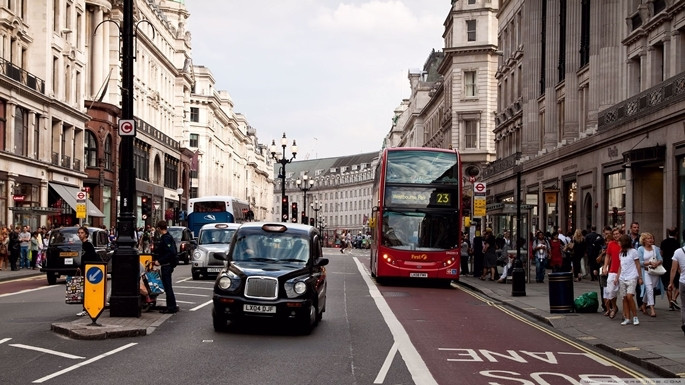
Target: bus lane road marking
[
  {"x": 584, "y": 351},
  {"x": 411, "y": 357}
]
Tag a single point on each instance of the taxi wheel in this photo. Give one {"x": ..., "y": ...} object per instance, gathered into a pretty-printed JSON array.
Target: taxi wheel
[
  {"x": 196, "y": 276},
  {"x": 52, "y": 278}
]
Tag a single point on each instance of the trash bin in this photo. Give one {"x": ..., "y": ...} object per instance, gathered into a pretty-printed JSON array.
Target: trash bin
[
  {"x": 518, "y": 278},
  {"x": 561, "y": 293}
]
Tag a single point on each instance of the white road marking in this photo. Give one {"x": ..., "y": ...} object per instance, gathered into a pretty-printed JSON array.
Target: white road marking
[
  {"x": 2, "y": 341},
  {"x": 25, "y": 291},
  {"x": 417, "y": 367},
  {"x": 84, "y": 363},
  {"x": 191, "y": 287},
  {"x": 201, "y": 306},
  {"x": 48, "y": 351},
  {"x": 386, "y": 365}
]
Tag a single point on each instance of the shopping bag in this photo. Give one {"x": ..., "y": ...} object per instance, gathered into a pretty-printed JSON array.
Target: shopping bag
[
  {"x": 587, "y": 303},
  {"x": 74, "y": 289},
  {"x": 154, "y": 281}
]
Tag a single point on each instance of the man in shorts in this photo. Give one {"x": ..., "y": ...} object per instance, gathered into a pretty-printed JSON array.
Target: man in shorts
[{"x": 612, "y": 262}]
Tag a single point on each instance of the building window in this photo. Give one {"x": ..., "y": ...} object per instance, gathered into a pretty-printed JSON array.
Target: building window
[
  {"x": 470, "y": 134},
  {"x": 470, "y": 84},
  {"x": 194, "y": 139},
  {"x": 108, "y": 153},
  {"x": 91, "y": 150},
  {"x": 616, "y": 198},
  {"x": 36, "y": 136},
  {"x": 170, "y": 172},
  {"x": 585, "y": 33},
  {"x": 470, "y": 30},
  {"x": 20, "y": 131},
  {"x": 141, "y": 160},
  {"x": 472, "y": 1},
  {"x": 194, "y": 114}
]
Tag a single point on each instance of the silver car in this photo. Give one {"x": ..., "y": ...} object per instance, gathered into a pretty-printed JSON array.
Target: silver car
[{"x": 212, "y": 238}]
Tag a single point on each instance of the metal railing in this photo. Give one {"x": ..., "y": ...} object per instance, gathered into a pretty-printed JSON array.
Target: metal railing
[{"x": 24, "y": 77}]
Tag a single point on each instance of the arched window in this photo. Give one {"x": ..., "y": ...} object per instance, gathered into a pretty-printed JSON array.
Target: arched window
[
  {"x": 90, "y": 150},
  {"x": 108, "y": 153}
]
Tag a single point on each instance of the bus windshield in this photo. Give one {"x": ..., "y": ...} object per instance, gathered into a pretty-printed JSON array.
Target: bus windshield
[
  {"x": 422, "y": 167},
  {"x": 420, "y": 231}
]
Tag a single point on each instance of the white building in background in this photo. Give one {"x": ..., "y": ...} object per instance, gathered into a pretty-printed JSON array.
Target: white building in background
[{"x": 60, "y": 99}]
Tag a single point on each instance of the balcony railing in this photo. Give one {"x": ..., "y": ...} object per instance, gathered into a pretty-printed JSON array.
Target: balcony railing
[
  {"x": 18, "y": 74},
  {"x": 55, "y": 158},
  {"x": 77, "y": 164},
  {"x": 647, "y": 102},
  {"x": 66, "y": 161}
]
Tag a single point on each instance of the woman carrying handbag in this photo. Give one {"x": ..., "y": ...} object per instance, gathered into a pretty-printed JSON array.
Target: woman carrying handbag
[{"x": 651, "y": 261}]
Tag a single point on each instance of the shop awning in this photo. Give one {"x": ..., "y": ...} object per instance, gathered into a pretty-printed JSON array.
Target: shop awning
[{"x": 68, "y": 193}]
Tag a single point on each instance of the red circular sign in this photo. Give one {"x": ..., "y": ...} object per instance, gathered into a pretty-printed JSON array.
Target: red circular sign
[
  {"x": 126, "y": 127},
  {"x": 480, "y": 187},
  {"x": 81, "y": 195}
]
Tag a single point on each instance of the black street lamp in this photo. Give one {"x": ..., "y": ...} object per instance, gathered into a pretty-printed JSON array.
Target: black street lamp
[
  {"x": 305, "y": 185},
  {"x": 316, "y": 206},
  {"x": 280, "y": 158}
]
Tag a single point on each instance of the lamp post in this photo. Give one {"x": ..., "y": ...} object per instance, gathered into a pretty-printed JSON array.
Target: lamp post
[
  {"x": 316, "y": 206},
  {"x": 305, "y": 185},
  {"x": 280, "y": 158},
  {"x": 179, "y": 191}
]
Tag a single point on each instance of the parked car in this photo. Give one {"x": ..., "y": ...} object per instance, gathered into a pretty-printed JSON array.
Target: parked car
[
  {"x": 63, "y": 253},
  {"x": 185, "y": 243},
  {"x": 274, "y": 271},
  {"x": 211, "y": 239}
]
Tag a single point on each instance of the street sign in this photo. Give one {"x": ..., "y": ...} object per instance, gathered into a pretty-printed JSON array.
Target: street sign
[
  {"x": 81, "y": 210},
  {"x": 479, "y": 206},
  {"x": 81, "y": 195},
  {"x": 95, "y": 288},
  {"x": 479, "y": 187},
  {"x": 127, "y": 127}
]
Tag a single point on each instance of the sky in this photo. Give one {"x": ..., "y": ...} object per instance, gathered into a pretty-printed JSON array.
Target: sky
[{"x": 327, "y": 73}]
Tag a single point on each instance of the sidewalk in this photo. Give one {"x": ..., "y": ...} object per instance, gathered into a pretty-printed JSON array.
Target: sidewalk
[
  {"x": 108, "y": 327},
  {"x": 656, "y": 344}
]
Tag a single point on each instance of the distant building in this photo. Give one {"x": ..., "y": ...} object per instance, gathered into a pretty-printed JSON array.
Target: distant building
[{"x": 342, "y": 188}]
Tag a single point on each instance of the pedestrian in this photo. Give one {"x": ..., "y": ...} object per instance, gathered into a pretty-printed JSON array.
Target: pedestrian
[
  {"x": 478, "y": 256},
  {"x": 88, "y": 254},
  {"x": 628, "y": 278},
  {"x": 14, "y": 248},
  {"x": 490, "y": 252},
  {"x": 612, "y": 263},
  {"x": 593, "y": 246},
  {"x": 33, "y": 249},
  {"x": 678, "y": 267},
  {"x": 668, "y": 247},
  {"x": 4, "y": 252},
  {"x": 600, "y": 244},
  {"x": 541, "y": 249},
  {"x": 24, "y": 242},
  {"x": 465, "y": 253},
  {"x": 343, "y": 241},
  {"x": 650, "y": 257},
  {"x": 555, "y": 254},
  {"x": 577, "y": 247},
  {"x": 165, "y": 256}
]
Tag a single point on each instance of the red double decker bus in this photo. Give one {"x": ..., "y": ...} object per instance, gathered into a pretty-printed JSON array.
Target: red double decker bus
[{"x": 416, "y": 225}]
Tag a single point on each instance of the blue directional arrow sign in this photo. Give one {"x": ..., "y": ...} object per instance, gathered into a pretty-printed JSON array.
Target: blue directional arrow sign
[{"x": 95, "y": 289}]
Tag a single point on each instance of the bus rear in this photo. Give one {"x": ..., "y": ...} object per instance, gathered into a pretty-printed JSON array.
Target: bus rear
[
  {"x": 417, "y": 223},
  {"x": 217, "y": 209}
]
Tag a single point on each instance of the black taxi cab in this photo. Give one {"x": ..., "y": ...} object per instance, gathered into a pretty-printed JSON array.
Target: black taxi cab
[
  {"x": 63, "y": 253},
  {"x": 274, "y": 271}
]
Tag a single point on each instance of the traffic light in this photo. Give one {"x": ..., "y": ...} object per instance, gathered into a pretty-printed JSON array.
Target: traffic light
[
  {"x": 284, "y": 208},
  {"x": 145, "y": 207},
  {"x": 293, "y": 209},
  {"x": 311, "y": 222}
]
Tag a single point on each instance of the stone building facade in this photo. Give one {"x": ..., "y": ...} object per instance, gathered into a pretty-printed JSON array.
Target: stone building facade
[{"x": 591, "y": 114}]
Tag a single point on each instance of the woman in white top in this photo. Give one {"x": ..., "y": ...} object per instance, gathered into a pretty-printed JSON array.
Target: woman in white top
[
  {"x": 650, "y": 257},
  {"x": 678, "y": 266},
  {"x": 628, "y": 276}
]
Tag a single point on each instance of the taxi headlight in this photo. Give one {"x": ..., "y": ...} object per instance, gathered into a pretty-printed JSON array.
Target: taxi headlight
[
  {"x": 300, "y": 288},
  {"x": 197, "y": 254},
  {"x": 224, "y": 283}
]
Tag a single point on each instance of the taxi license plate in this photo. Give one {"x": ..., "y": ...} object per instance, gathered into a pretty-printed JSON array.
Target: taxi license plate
[
  {"x": 259, "y": 308},
  {"x": 418, "y": 275},
  {"x": 213, "y": 269},
  {"x": 68, "y": 254},
  {"x": 68, "y": 261}
]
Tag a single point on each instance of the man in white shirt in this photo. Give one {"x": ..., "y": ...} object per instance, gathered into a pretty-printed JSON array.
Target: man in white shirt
[{"x": 678, "y": 266}]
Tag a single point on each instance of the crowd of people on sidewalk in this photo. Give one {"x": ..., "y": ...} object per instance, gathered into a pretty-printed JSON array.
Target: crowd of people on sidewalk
[
  {"x": 22, "y": 248},
  {"x": 628, "y": 266}
]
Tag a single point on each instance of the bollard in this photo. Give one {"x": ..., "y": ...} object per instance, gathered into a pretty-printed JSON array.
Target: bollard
[
  {"x": 518, "y": 280},
  {"x": 561, "y": 293}
]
